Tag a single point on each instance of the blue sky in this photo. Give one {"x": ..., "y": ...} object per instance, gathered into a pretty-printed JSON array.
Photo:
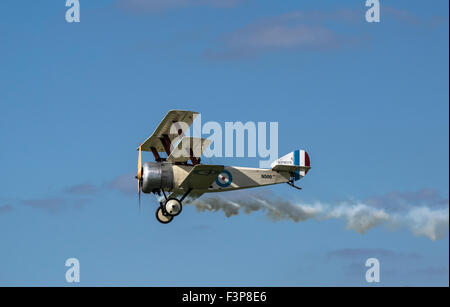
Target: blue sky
[{"x": 369, "y": 102}]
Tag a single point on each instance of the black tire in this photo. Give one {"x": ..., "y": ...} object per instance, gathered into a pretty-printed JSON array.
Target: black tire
[{"x": 162, "y": 218}]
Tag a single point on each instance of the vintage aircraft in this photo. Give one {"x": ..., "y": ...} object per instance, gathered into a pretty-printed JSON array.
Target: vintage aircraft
[{"x": 175, "y": 175}]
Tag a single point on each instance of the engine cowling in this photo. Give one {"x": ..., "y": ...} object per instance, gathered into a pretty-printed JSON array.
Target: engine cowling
[{"x": 156, "y": 176}]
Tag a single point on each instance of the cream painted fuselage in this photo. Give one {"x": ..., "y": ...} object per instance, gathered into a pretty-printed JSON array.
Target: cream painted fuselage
[{"x": 234, "y": 178}]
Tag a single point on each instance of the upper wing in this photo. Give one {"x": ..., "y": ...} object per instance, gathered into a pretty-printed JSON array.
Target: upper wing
[
  {"x": 201, "y": 177},
  {"x": 182, "y": 152},
  {"x": 163, "y": 129}
]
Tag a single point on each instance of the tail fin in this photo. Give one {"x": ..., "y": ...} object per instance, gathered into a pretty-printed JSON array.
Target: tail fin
[{"x": 296, "y": 162}]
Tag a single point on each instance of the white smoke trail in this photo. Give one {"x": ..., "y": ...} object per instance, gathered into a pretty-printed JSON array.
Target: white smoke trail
[{"x": 359, "y": 216}]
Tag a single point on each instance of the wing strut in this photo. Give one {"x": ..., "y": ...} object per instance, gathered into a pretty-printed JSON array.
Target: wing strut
[
  {"x": 156, "y": 154},
  {"x": 165, "y": 140},
  {"x": 194, "y": 160},
  {"x": 185, "y": 194}
]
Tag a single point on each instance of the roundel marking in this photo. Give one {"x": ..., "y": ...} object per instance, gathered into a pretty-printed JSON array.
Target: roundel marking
[{"x": 224, "y": 179}]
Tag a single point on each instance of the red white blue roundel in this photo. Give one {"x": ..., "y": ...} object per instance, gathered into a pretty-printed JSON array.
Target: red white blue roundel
[{"x": 224, "y": 179}]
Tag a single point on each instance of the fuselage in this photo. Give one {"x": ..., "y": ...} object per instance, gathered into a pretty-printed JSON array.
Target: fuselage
[{"x": 235, "y": 178}]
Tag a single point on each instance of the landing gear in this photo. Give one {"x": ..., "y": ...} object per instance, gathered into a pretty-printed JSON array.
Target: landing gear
[
  {"x": 163, "y": 218},
  {"x": 173, "y": 206},
  {"x": 291, "y": 182},
  {"x": 170, "y": 208}
]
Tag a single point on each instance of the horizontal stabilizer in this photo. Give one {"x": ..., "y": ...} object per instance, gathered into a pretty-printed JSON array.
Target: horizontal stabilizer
[
  {"x": 296, "y": 162},
  {"x": 290, "y": 168}
]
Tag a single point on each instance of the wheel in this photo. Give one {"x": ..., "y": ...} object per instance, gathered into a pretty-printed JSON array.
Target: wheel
[
  {"x": 164, "y": 219},
  {"x": 173, "y": 206}
]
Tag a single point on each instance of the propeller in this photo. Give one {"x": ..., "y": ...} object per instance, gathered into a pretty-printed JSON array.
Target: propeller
[{"x": 139, "y": 176}]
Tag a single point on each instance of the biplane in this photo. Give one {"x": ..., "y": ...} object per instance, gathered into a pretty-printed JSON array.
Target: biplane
[{"x": 180, "y": 174}]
